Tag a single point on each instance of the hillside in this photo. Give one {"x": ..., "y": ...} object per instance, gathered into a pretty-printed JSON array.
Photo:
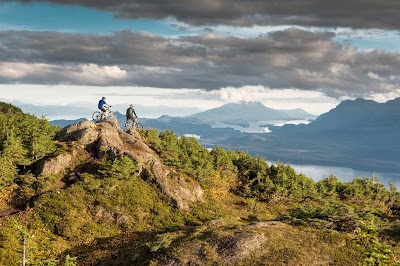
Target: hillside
[{"x": 101, "y": 196}]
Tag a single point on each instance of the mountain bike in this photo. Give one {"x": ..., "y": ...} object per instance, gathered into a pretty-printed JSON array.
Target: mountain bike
[
  {"x": 132, "y": 124},
  {"x": 109, "y": 115}
]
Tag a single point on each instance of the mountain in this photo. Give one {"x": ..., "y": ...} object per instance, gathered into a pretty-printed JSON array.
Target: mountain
[
  {"x": 55, "y": 110},
  {"x": 360, "y": 112},
  {"x": 359, "y": 134},
  {"x": 156, "y": 111},
  {"x": 92, "y": 194},
  {"x": 249, "y": 112},
  {"x": 66, "y": 122}
]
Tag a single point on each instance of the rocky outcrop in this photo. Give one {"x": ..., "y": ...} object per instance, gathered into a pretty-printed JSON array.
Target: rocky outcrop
[
  {"x": 106, "y": 136},
  {"x": 221, "y": 242},
  {"x": 58, "y": 164},
  {"x": 84, "y": 132},
  {"x": 239, "y": 246}
]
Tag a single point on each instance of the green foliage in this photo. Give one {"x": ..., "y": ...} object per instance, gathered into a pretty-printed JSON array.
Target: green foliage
[
  {"x": 70, "y": 261},
  {"x": 331, "y": 215},
  {"x": 47, "y": 262},
  {"x": 122, "y": 167},
  {"x": 185, "y": 154},
  {"x": 360, "y": 191},
  {"x": 8, "y": 171},
  {"x": 377, "y": 253},
  {"x": 275, "y": 183},
  {"x": 7, "y": 108},
  {"x": 152, "y": 138},
  {"x": 329, "y": 187},
  {"x": 14, "y": 150},
  {"x": 25, "y": 139}
]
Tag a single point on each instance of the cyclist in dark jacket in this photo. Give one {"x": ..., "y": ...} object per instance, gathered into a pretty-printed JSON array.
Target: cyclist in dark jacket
[
  {"x": 103, "y": 107},
  {"x": 131, "y": 115}
]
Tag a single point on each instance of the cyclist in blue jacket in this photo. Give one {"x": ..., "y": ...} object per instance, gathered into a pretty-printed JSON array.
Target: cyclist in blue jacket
[{"x": 103, "y": 107}]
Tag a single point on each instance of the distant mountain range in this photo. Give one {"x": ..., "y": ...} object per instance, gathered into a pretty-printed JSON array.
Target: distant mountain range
[
  {"x": 54, "y": 110},
  {"x": 156, "y": 111},
  {"x": 249, "y": 112},
  {"x": 360, "y": 112},
  {"x": 72, "y": 110},
  {"x": 359, "y": 134},
  {"x": 66, "y": 122}
]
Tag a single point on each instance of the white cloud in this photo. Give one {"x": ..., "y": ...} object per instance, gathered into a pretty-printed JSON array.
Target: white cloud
[
  {"x": 374, "y": 75},
  {"x": 338, "y": 69},
  {"x": 242, "y": 94},
  {"x": 91, "y": 74},
  {"x": 94, "y": 74},
  {"x": 384, "y": 97},
  {"x": 15, "y": 70}
]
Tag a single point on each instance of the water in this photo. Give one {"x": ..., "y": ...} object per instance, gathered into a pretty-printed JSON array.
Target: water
[
  {"x": 259, "y": 126},
  {"x": 68, "y": 117},
  {"x": 318, "y": 172}
]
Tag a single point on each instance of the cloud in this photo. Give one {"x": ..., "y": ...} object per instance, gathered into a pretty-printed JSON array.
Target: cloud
[
  {"x": 236, "y": 95},
  {"x": 290, "y": 58},
  {"x": 340, "y": 13},
  {"x": 41, "y": 73}
]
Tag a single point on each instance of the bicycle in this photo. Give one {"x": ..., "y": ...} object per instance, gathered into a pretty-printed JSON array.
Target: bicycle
[
  {"x": 109, "y": 115},
  {"x": 132, "y": 124}
]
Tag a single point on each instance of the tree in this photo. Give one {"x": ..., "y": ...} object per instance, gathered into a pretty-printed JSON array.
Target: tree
[{"x": 8, "y": 171}]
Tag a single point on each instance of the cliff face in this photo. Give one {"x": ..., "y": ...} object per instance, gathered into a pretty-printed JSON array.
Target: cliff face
[{"x": 108, "y": 137}]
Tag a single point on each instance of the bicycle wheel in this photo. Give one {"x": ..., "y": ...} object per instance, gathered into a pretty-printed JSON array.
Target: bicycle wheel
[
  {"x": 139, "y": 125},
  {"x": 128, "y": 125},
  {"x": 96, "y": 116},
  {"x": 111, "y": 115}
]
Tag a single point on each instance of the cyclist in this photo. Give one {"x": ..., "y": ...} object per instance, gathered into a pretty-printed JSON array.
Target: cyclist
[
  {"x": 131, "y": 115},
  {"x": 103, "y": 107}
]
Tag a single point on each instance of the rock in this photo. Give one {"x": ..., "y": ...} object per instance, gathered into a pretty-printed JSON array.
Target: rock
[
  {"x": 239, "y": 246},
  {"x": 222, "y": 242},
  {"x": 84, "y": 132},
  {"x": 106, "y": 136},
  {"x": 183, "y": 190},
  {"x": 58, "y": 164}
]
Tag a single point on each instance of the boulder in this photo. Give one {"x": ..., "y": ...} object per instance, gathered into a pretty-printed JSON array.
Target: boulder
[
  {"x": 239, "y": 246},
  {"x": 84, "y": 132}
]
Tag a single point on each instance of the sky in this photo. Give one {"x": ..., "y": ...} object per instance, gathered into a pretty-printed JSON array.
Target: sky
[{"x": 288, "y": 54}]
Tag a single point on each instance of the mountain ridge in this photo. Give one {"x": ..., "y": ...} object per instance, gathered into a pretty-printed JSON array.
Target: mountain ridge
[{"x": 249, "y": 111}]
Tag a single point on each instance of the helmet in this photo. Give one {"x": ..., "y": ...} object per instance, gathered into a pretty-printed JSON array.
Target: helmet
[{"x": 103, "y": 98}]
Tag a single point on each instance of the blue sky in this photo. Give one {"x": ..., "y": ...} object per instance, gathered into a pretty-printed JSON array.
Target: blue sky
[
  {"x": 218, "y": 53},
  {"x": 48, "y": 17}
]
